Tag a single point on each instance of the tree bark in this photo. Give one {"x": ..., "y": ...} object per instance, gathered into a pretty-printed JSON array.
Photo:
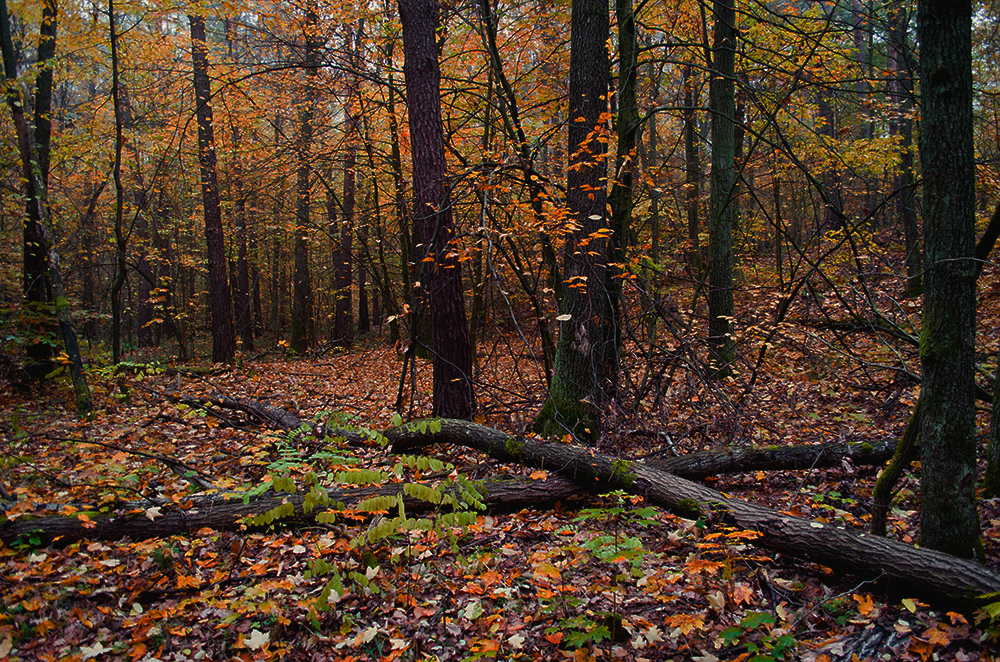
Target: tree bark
[
  {"x": 121, "y": 245},
  {"x": 433, "y": 221},
  {"x": 722, "y": 223},
  {"x": 949, "y": 520},
  {"x": 34, "y": 153},
  {"x": 224, "y": 511},
  {"x": 692, "y": 170},
  {"x": 223, "y": 338}
]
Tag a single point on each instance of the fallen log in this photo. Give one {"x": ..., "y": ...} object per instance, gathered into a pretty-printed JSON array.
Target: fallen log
[
  {"x": 737, "y": 460},
  {"x": 225, "y": 511},
  {"x": 919, "y": 572}
]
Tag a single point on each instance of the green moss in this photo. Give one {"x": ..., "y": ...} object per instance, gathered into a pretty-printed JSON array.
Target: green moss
[
  {"x": 620, "y": 470},
  {"x": 514, "y": 446},
  {"x": 867, "y": 447},
  {"x": 687, "y": 507},
  {"x": 573, "y": 416}
]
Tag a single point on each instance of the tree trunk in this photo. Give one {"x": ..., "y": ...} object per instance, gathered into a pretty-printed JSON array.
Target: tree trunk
[
  {"x": 121, "y": 267},
  {"x": 223, "y": 339},
  {"x": 343, "y": 315},
  {"x": 722, "y": 104},
  {"x": 585, "y": 373},
  {"x": 692, "y": 170},
  {"x": 949, "y": 520},
  {"x": 441, "y": 270}
]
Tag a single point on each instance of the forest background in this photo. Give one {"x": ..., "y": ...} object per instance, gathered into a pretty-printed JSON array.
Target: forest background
[{"x": 308, "y": 245}]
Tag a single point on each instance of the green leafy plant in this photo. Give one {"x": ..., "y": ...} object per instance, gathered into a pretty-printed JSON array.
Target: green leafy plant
[
  {"x": 454, "y": 498},
  {"x": 755, "y": 633}
]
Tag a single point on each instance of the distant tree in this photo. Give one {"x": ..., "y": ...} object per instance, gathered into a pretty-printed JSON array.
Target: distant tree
[
  {"x": 441, "y": 270},
  {"x": 303, "y": 327},
  {"x": 949, "y": 519}
]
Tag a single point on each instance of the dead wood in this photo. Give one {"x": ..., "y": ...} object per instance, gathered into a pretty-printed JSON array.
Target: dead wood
[
  {"x": 920, "y": 572},
  {"x": 737, "y": 460}
]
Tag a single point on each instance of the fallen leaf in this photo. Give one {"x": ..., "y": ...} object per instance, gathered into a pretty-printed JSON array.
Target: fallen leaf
[{"x": 257, "y": 639}]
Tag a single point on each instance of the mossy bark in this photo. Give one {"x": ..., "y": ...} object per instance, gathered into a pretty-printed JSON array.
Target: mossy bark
[{"x": 949, "y": 519}]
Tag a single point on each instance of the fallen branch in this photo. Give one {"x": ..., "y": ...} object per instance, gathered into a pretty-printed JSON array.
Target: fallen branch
[{"x": 923, "y": 572}]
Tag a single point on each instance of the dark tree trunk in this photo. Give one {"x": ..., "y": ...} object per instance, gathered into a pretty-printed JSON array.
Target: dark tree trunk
[
  {"x": 441, "y": 278},
  {"x": 923, "y": 571},
  {"x": 121, "y": 247},
  {"x": 241, "y": 277},
  {"x": 34, "y": 154},
  {"x": 628, "y": 127},
  {"x": 585, "y": 374},
  {"x": 722, "y": 103},
  {"x": 949, "y": 520},
  {"x": 35, "y": 163},
  {"x": 223, "y": 339}
]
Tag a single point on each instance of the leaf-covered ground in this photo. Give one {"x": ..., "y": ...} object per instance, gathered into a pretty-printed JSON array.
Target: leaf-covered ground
[{"x": 607, "y": 578}]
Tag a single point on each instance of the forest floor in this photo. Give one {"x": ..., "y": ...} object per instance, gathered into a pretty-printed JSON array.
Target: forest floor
[{"x": 604, "y": 578}]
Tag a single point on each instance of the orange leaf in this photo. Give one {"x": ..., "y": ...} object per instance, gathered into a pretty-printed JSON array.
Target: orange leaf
[
  {"x": 554, "y": 637},
  {"x": 938, "y": 637},
  {"x": 865, "y": 604},
  {"x": 184, "y": 581},
  {"x": 539, "y": 475}
]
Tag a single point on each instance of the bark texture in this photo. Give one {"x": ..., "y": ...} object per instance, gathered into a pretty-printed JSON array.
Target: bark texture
[
  {"x": 949, "y": 520},
  {"x": 432, "y": 213},
  {"x": 722, "y": 219}
]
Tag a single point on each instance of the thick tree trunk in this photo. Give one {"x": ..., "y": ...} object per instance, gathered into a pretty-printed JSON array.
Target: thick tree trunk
[
  {"x": 722, "y": 222},
  {"x": 303, "y": 325},
  {"x": 223, "y": 338},
  {"x": 432, "y": 212},
  {"x": 586, "y": 370},
  {"x": 949, "y": 521}
]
